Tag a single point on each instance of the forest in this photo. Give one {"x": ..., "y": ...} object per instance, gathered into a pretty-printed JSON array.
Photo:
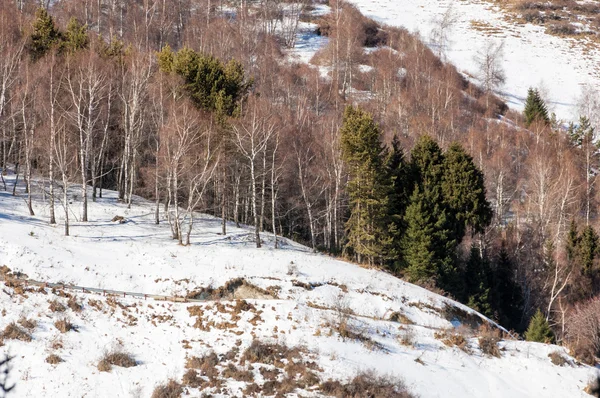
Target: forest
[{"x": 379, "y": 151}]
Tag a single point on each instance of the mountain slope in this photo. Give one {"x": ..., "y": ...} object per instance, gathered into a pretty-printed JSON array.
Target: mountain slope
[
  {"x": 346, "y": 318},
  {"x": 531, "y": 58}
]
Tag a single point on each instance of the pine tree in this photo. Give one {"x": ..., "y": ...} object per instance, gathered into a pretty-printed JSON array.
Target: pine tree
[
  {"x": 368, "y": 187},
  {"x": 506, "y": 295},
  {"x": 429, "y": 246},
  {"x": 45, "y": 35},
  {"x": 535, "y": 108},
  {"x": 587, "y": 250},
  {"x": 75, "y": 37},
  {"x": 401, "y": 189},
  {"x": 539, "y": 329},
  {"x": 212, "y": 85},
  {"x": 463, "y": 188},
  {"x": 477, "y": 283}
]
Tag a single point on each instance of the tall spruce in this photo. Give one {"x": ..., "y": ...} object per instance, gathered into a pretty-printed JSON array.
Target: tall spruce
[
  {"x": 429, "y": 246},
  {"x": 506, "y": 293},
  {"x": 401, "y": 189},
  {"x": 463, "y": 188},
  {"x": 477, "y": 286},
  {"x": 535, "y": 108},
  {"x": 368, "y": 186}
]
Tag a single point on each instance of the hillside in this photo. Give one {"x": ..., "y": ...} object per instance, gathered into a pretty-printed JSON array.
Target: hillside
[
  {"x": 560, "y": 65},
  {"x": 339, "y": 313}
]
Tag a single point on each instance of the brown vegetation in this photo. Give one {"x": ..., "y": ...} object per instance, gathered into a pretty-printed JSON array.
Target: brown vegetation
[{"x": 115, "y": 358}]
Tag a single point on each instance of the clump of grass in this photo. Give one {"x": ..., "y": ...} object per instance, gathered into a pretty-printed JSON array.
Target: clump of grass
[
  {"x": 56, "y": 306},
  {"x": 53, "y": 359},
  {"x": 116, "y": 358},
  {"x": 28, "y": 324},
  {"x": 488, "y": 341},
  {"x": 453, "y": 339},
  {"x": 64, "y": 325},
  {"x": 557, "y": 358},
  {"x": 74, "y": 305},
  {"x": 171, "y": 389},
  {"x": 15, "y": 332},
  {"x": 367, "y": 384}
]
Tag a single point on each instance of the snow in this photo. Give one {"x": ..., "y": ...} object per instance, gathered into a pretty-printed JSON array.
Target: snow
[
  {"x": 532, "y": 58},
  {"x": 139, "y": 256}
]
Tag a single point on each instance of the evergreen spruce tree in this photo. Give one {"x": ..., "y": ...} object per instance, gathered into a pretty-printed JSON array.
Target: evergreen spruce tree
[
  {"x": 539, "y": 330},
  {"x": 477, "y": 283},
  {"x": 588, "y": 250},
  {"x": 45, "y": 35},
  {"x": 368, "y": 186},
  {"x": 429, "y": 246},
  {"x": 463, "y": 188},
  {"x": 401, "y": 189},
  {"x": 535, "y": 108},
  {"x": 75, "y": 37},
  {"x": 506, "y": 295}
]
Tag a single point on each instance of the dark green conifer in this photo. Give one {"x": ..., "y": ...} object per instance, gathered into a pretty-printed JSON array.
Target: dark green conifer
[
  {"x": 75, "y": 37},
  {"x": 368, "y": 186},
  {"x": 535, "y": 108},
  {"x": 45, "y": 35},
  {"x": 539, "y": 329}
]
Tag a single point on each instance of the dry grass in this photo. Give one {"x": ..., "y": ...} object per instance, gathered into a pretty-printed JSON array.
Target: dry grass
[
  {"x": 53, "y": 359},
  {"x": 407, "y": 337},
  {"x": 233, "y": 372},
  {"x": 367, "y": 384},
  {"x": 488, "y": 341},
  {"x": 64, "y": 325},
  {"x": 400, "y": 317},
  {"x": 557, "y": 358},
  {"x": 15, "y": 332},
  {"x": 115, "y": 358},
  {"x": 56, "y": 306},
  {"x": 28, "y": 324},
  {"x": 453, "y": 338},
  {"x": 192, "y": 379},
  {"x": 74, "y": 305},
  {"x": 171, "y": 389}
]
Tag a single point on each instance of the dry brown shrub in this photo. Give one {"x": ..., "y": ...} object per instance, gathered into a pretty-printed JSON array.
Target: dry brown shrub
[
  {"x": 269, "y": 354},
  {"x": 453, "y": 338},
  {"x": 252, "y": 389},
  {"x": 557, "y": 358},
  {"x": 400, "y": 317},
  {"x": 192, "y": 379},
  {"x": 116, "y": 358},
  {"x": 583, "y": 331},
  {"x": 53, "y": 359},
  {"x": 367, "y": 384},
  {"x": 64, "y": 325},
  {"x": 171, "y": 389},
  {"x": 74, "y": 305},
  {"x": 56, "y": 306},
  {"x": 15, "y": 332},
  {"x": 488, "y": 340},
  {"x": 232, "y": 372},
  {"x": 28, "y": 324}
]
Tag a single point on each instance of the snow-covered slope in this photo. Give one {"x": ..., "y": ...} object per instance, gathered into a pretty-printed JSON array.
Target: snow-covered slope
[
  {"x": 295, "y": 298},
  {"x": 532, "y": 58}
]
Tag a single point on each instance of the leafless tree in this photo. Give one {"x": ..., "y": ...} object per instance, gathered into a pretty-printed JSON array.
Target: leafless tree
[
  {"x": 252, "y": 137},
  {"x": 490, "y": 71}
]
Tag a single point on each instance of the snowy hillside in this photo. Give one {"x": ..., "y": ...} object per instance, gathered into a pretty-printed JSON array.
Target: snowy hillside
[
  {"x": 345, "y": 319},
  {"x": 557, "y": 65}
]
